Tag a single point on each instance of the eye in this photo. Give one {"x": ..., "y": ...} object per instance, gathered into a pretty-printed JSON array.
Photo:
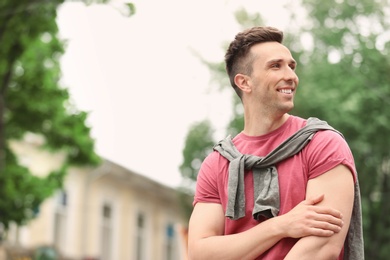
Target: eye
[
  {"x": 293, "y": 66},
  {"x": 275, "y": 65}
]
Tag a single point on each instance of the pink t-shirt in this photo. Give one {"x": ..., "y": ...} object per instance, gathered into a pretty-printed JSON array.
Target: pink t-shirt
[{"x": 326, "y": 150}]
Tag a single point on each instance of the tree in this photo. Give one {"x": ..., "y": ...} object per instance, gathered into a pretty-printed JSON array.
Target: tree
[{"x": 33, "y": 101}]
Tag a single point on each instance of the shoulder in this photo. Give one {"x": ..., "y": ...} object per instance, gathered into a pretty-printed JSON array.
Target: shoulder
[
  {"x": 329, "y": 139},
  {"x": 296, "y": 122},
  {"x": 210, "y": 178},
  {"x": 328, "y": 149},
  {"x": 212, "y": 166},
  {"x": 213, "y": 159}
]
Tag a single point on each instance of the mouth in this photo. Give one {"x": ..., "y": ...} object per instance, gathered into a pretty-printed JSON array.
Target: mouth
[{"x": 286, "y": 90}]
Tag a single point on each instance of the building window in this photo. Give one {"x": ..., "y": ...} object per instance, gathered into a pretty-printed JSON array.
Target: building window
[
  {"x": 170, "y": 242},
  {"x": 140, "y": 237},
  {"x": 106, "y": 232},
  {"x": 62, "y": 200},
  {"x": 60, "y": 220}
]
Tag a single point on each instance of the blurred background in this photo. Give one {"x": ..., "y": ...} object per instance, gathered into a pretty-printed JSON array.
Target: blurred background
[{"x": 109, "y": 107}]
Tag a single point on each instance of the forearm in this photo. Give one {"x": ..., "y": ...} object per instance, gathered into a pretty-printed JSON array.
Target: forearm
[{"x": 246, "y": 245}]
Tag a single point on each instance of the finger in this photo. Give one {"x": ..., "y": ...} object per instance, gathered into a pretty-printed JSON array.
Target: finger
[
  {"x": 326, "y": 211},
  {"x": 334, "y": 228},
  {"x": 321, "y": 232},
  {"x": 331, "y": 220},
  {"x": 314, "y": 200}
]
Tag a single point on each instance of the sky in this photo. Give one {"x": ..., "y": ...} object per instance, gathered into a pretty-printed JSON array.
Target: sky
[{"x": 139, "y": 80}]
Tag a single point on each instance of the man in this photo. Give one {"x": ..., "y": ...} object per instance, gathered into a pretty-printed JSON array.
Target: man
[{"x": 309, "y": 214}]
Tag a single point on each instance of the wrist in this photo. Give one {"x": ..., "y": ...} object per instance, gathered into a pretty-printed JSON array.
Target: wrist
[{"x": 279, "y": 229}]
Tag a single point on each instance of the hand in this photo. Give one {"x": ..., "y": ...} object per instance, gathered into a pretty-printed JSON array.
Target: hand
[{"x": 309, "y": 219}]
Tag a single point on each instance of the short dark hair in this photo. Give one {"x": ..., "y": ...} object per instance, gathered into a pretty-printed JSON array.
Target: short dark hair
[{"x": 236, "y": 57}]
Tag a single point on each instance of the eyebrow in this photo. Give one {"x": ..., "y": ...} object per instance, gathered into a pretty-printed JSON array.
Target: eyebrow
[{"x": 292, "y": 61}]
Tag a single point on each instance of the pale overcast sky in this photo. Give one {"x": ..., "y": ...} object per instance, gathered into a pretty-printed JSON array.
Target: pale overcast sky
[{"x": 139, "y": 81}]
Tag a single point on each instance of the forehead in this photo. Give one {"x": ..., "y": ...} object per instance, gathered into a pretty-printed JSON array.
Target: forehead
[{"x": 267, "y": 51}]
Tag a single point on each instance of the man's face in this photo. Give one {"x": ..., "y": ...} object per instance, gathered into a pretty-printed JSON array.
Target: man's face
[{"x": 273, "y": 79}]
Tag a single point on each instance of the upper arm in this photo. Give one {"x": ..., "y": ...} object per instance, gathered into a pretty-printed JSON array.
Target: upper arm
[
  {"x": 207, "y": 220},
  {"x": 337, "y": 185}
]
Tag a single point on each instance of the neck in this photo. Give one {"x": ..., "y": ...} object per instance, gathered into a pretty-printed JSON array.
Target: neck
[{"x": 261, "y": 125}]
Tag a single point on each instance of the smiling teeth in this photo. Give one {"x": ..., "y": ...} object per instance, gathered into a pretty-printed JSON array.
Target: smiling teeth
[{"x": 286, "y": 91}]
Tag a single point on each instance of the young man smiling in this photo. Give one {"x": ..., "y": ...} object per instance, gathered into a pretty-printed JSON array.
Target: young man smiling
[{"x": 283, "y": 188}]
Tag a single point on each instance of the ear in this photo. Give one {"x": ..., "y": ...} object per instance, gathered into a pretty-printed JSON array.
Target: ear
[{"x": 243, "y": 82}]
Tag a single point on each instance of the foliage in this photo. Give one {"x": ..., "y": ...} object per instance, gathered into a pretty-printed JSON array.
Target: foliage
[
  {"x": 33, "y": 101},
  {"x": 198, "y": 144},
  {"x": 23, "y": 192}
]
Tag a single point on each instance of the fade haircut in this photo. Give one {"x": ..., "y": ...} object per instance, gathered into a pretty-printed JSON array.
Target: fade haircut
[{"x": 238, "y": 58}]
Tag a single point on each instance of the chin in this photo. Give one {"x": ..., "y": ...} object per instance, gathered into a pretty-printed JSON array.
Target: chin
[{"x": 287, "y": 108}]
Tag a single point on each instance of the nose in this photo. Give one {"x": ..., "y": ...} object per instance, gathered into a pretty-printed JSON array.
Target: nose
[{"x": 291, "y": 76}]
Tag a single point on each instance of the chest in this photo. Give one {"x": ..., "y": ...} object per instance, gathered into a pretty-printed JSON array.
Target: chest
[{"x": 292, "y": 179}]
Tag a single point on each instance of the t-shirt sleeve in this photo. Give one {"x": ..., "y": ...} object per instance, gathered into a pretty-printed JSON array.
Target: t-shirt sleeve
[
  {"x": 207, "y": 185},
  {"x": 325, "y": 151}
]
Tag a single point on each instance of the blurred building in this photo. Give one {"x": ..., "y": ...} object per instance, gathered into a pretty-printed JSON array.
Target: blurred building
[{"x": 105, "y": 213}]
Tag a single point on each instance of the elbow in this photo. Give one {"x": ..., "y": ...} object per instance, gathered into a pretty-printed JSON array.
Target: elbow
[
  {"x": 192, "y": 253},
  {"x": 197, "y": 251}
]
